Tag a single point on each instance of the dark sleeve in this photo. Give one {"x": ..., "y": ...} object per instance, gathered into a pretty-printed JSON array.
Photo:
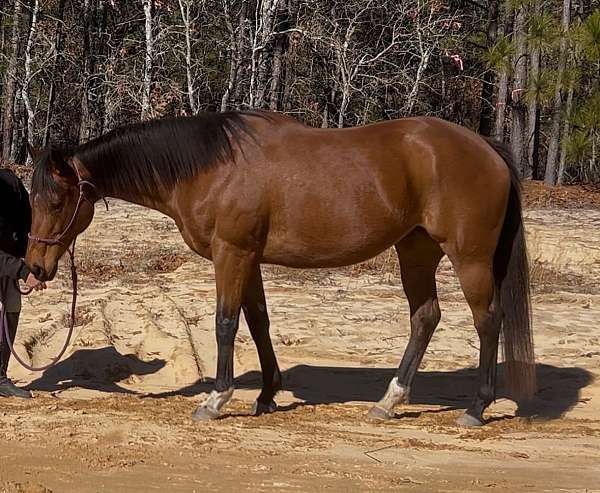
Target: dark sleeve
[
  {"x": 24, "y": 224},
  {"x": 12, "y": 267}
]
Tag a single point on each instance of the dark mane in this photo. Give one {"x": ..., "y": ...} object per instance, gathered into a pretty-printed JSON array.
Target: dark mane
[
  {"x": 42, "y": 181},
  {"x": 155, "y": 155}
]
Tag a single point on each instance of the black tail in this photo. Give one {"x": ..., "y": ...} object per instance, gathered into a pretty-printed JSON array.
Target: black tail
[{"x": 511, "y": 272}]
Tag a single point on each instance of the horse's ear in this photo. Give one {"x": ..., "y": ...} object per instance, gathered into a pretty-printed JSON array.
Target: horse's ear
[
  {"x": 59, "y": 165},
  {"x": 33, "y": 153}
]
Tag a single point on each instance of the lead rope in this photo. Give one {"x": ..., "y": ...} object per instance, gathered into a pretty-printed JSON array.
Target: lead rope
[{"x": 4, "y": 333}]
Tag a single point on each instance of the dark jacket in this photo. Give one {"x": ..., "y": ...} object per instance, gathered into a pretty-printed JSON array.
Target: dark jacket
[{"x": 15, "y": 223}]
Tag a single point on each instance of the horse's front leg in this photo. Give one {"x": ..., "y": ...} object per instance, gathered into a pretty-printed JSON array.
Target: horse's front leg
[
  {"x": 233, "y": 269},
  {"x": 255, "y": 310}
]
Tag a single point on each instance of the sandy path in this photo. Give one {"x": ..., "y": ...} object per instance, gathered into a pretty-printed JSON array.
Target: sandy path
[{"x": 116, "y": 410}]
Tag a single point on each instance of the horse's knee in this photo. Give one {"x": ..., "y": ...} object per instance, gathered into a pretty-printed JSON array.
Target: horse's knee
[{"x": 426, "y": 318}]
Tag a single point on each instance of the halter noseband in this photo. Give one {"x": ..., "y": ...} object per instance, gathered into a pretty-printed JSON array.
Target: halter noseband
[{"x": 57, "y": 240}]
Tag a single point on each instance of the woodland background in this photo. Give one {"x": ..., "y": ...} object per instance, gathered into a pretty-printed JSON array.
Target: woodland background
[{"x": 524, "y": 71}]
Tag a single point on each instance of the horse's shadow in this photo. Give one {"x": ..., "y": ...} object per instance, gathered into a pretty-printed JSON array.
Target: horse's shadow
[
  {"x": 558, "y": 388},
  {"x": 95, "y": 369},
  {"x": 101, "y": 369}
]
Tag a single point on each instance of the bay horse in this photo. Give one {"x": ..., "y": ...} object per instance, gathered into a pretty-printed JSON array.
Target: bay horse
[{"x": 247, "y": 188}]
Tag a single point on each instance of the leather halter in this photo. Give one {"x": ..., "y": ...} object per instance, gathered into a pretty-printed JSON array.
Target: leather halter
[{"x": 57, "y": 240}]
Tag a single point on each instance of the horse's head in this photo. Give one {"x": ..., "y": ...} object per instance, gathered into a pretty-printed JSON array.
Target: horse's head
[{"x": 61, "y": 209}]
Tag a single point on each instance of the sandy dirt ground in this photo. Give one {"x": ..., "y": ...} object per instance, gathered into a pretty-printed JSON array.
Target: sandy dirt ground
[{"x": 114, "y": 415}]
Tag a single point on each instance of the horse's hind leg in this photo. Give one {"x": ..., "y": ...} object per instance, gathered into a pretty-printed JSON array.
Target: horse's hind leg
[
  {"x": 419, "y": 257},
  {"x": 255, "y": 311},
  {"x": 477, "y": 281}
]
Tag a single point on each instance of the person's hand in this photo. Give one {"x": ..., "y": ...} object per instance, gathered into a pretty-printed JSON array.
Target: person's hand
[{"x": 33, "y": 283}]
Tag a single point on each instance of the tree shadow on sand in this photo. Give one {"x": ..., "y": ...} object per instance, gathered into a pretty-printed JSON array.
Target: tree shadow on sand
[
  {"x": 95, "y": 369},
  {"x": 558, "y": 388}
]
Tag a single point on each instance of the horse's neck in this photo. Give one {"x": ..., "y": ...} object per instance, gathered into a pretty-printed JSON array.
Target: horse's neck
[
  {"x": 159, "y": 204},
  {"x": 150, "y": 201}
]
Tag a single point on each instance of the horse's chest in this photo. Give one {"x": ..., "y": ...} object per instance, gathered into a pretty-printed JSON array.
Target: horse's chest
[{"x": 197, "y": 237}]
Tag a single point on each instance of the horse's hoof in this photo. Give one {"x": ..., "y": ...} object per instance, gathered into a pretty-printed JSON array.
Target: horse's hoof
[
  {"x": 380, "y": 414},
  {"x": 205, "y": 413},
  {"x": 468, "y": 421},
  {"x": 259, "y": 408}
]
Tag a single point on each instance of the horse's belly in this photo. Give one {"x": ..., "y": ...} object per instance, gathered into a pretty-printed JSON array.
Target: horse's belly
[{"x": 311, "y": 249}]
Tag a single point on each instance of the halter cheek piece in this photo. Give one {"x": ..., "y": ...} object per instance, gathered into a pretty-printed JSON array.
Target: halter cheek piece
[{"x": 57, "y": 240}]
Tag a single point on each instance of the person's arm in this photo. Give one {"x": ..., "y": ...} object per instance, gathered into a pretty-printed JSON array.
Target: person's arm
[
  {"x": 24, "y": 224},
  {"x": 13, "y": 267}
]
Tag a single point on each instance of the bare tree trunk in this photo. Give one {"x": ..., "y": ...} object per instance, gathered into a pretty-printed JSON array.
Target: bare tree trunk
[
  {"x": 329, "y": 104},
  {"x": 501, "y": 99},
  {"x": 423, "y": 63},
  {"x": 533, "y": 112},
  {"x": 184, "y": 8},
  {"x": 262, "y": 39},
  {"x": 10, "y": 86},
  {"x": 278, "y": 55},
  {"x": 487, "y": 88},
  {"x": 111, "y": 102},
  {"x": 594, "y": 156},
  {"x": 58, "y": 52},
  {"x": 26, "y": 98},
  {"x": 554, "y": 136},
  {"x": 412, "y": 97},
  {"x": 501, "y": 106},
  {"x": 344, "y": 104},
  {"x": 3, "y": 19},
  {"x": 92, "y": 113},
  {"x": 19, "y": 130},
  {"x": 519, "y": 86},
  {"x": 565, "y": 136},
  {"x": 85, "y": 130},
  {"x": 147, "y": 89},
  {"x": 276, "y": 76},
  {"x": 236, "y": 43}
]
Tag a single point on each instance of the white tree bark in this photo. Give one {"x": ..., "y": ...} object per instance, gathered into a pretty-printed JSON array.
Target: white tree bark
[
  {"x": 147, "y": 89},
  {"x": 184, "y": 8},
  {"x": 501, "y": 98},
  {"x": 425, "y": 53},
  {"x": 265, "y": 15},
  {"x": 28, "y": 75},
  {"x": 423, "y": 63}
]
